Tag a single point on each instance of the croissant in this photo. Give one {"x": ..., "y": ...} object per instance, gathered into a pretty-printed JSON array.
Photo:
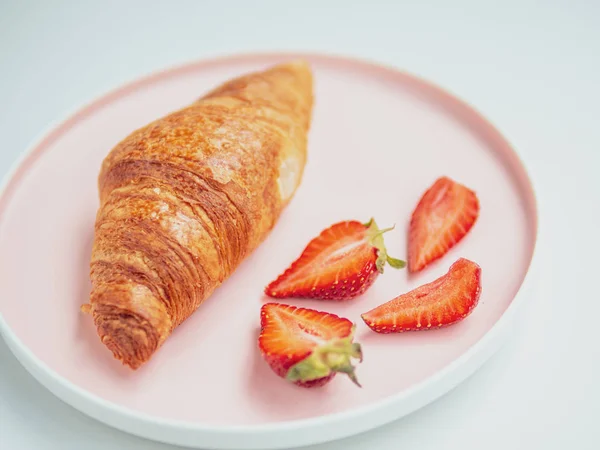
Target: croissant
[{"x": 186, "y": 198}]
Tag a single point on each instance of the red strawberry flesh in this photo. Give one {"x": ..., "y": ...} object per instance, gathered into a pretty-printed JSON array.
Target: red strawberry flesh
[
  {"x": 307, "y": 346},
  {"x": 445, "y": 301},
  {"x": 341, "y": 263},
  {"x": 443, "y": 216}
]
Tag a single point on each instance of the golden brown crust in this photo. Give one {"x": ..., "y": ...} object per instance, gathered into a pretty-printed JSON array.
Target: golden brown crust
[{"x": 186, "y": 198}]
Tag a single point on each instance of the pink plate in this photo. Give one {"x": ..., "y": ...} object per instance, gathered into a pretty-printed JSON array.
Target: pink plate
[{"x": 379, "y": 139}]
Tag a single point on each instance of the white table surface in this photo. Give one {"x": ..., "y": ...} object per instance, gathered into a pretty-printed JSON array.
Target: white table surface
[{"x": 533, "y": 68}]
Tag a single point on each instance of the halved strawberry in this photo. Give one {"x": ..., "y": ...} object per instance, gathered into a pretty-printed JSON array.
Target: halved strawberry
[
  {"x": 341, "y": 263},
  {"x": 444, "y": 215},
  {"x": 442, "y": 302},
  {"x": 305, "y": 346}
]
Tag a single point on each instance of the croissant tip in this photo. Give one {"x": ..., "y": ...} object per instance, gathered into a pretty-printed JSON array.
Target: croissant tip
[
  {"x": 297, "y": 64},
  {"x": 300, "y": 62}
]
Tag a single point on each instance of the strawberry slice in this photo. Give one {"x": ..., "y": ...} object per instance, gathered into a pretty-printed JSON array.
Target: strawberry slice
[
  {"x": 444, "y": 215},
  {"x": 445, "y": 301},
  {"x": 305, "y": 346},
  {"x": 341, "y": 263}
]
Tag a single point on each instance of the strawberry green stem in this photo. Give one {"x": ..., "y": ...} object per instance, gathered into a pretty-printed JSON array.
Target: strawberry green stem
[
  {"x": 375, "y": 236},
  {"x": 335, "y": 355}
]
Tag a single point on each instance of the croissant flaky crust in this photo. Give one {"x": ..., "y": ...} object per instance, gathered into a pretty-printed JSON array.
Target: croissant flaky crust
[{"x": 184, "y": 199}]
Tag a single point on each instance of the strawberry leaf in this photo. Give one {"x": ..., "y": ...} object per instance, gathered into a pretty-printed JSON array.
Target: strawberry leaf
[
  {"x": 375, "y": 236},
  {"x": 396, "y": 263},
  {"x": 335, "y": 355}
]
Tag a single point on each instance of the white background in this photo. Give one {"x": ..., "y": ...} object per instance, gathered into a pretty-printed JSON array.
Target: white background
[{"x": 533, "y": 68}]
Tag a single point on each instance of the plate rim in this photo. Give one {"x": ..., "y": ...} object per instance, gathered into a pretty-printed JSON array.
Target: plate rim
[{"x": 236, "y": 436}]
